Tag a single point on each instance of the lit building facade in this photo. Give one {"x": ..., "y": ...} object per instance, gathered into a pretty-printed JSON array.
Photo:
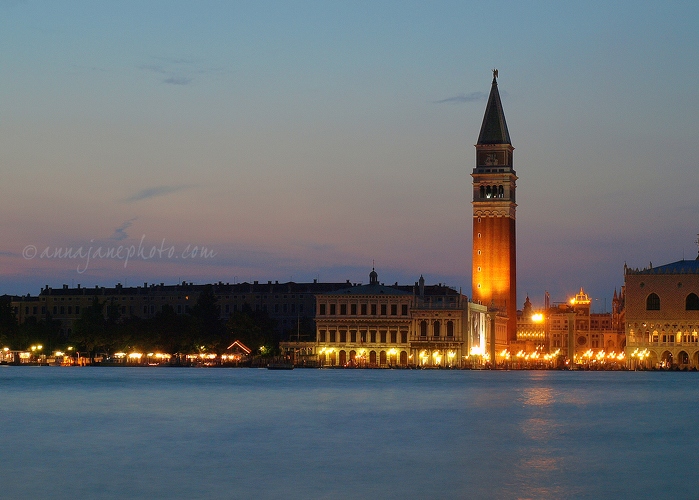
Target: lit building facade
[
  {"x": 376, "y": 325},
  {"x": 494, "y": 277},
  {"x": 662, "y": 315},
  {"x": 532, "y": 335},
  {"x": 573, "y": 330},
  {"x": 364, "y": 325}
]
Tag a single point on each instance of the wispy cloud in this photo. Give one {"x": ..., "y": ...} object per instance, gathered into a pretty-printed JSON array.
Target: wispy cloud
[
  {"x": 120, "y": 232},
  {"x": 178, "y": 80},
  {"x": 152, "y": 67},
  {"x": 473, "y": 96},
  {"x": 175, "y": 60},
  {"x": 177, "y": 70},
  {"x": 153, "y": 192},
  {"x": 81, "y": 68}
]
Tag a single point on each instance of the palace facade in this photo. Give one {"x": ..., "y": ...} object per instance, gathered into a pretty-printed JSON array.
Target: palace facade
[{"x": 662, "y": 315}]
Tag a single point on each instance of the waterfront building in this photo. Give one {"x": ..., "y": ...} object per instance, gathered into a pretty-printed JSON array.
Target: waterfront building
[
  {"x": 494, "y": 277},
  {"x": 351, "y": 324},
  {"x": 576, "y": 330},
  {"x": 662, "y": 315},
  {"x": 376, "y": 325},
  {"x": 363, "y": 325},
  {"x": 572, "y": 329}
]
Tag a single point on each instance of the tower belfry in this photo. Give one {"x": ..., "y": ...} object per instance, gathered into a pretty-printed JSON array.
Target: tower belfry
[{"x": 494, "y": 244}]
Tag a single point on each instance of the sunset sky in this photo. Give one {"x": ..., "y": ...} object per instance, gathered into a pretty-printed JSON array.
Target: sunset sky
[{"x": 303, "y": 140}]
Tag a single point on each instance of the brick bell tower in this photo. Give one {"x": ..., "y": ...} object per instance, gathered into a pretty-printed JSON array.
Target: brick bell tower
[{"x": 494, "y": 277}]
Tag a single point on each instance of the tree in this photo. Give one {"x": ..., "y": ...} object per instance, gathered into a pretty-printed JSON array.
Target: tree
[
  {"x": 46, "y": 332},
  {"x": 8, "y": 321},
  {"x": 255, "y": 329},
  {"x": 206, "y": 313},
  {"x": 91, "y": 328},
  {"x": 172, "y": 332}
]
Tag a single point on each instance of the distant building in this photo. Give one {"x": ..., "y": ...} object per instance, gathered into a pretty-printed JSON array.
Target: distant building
[
  {"x": 532, "y": 332},
  {"x": 288, "y": 303},
  {"x": 662, "y": 315},
  {"x": 494, "y": 275}
]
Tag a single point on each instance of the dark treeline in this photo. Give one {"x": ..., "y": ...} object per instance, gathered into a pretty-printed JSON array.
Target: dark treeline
[{"x": 102, "y": 329}]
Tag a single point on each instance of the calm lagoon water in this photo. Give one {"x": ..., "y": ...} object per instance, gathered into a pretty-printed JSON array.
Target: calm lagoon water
[{"x": 247, "y": 433}]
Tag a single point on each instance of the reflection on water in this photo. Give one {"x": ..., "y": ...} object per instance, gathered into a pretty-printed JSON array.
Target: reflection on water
[
  {"x": 539, "y": 429},
  {"x": 226, "y": 433},
  {"x": 540, "y": 463},
  {"x": 538, "y": 396}
]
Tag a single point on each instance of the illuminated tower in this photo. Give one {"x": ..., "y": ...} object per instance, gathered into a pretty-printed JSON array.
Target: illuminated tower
[{"x": 494, "y": 251}]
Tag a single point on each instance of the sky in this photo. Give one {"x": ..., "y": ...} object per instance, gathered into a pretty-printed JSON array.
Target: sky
[{"x": 204, "y": 141}]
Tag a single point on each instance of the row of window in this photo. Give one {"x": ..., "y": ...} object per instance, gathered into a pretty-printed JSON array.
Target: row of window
[
  {"x": 436, "y": 329},
  {"x": 56, "y": 309},
  {"x": 179, "y": 297},
  {"x": 331, "y": 309},
  {"x": 691, "y": 302},
  {"x": 674, "y": 338},
  {"x": 150, "y": 309},
  {"x": 332, "y": 336},
  {"x": 384, "y": 358},
  {"x": 594, "y": 344}
]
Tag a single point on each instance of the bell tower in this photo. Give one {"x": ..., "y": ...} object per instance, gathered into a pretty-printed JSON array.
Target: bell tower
[{"x": 494, "y": 277}]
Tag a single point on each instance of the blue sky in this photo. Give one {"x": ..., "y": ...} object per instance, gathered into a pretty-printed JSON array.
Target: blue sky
[{"x": 302, "y": 140}]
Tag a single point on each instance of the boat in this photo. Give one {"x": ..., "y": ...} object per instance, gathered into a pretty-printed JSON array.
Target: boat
[{"x": 284, "y": 365}]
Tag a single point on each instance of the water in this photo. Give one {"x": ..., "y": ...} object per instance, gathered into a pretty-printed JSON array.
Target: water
[{"x": 247, "y": 433}]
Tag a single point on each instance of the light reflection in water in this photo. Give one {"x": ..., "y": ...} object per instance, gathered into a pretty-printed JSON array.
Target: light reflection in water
[{"x": 538, "y": 396}]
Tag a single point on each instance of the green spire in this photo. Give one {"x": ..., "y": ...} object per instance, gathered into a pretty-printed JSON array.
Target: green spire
[{"x": 494, "y": 128}]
